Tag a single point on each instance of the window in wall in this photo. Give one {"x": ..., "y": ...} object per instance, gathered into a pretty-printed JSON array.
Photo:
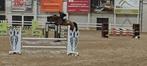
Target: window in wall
[
  {"x": 2, "y": 5},
  {"x": 28, "y": 20},
  {"x": 2, "y": 17},
  {"x": 17, "y": 20},
  {"x": 102, "y": 6}
]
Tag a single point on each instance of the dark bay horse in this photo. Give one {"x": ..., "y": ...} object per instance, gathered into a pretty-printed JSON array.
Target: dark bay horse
[{"x": 58, "y": 21}]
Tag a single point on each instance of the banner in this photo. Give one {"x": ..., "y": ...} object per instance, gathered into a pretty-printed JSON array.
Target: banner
[
  {"x": 22, "y": 5},
  {"x": 18, "y": 5},
  {"x": 51, "y": 5},
  {"x": 127, "y": 6},
  {"x": 78, "y": 6},
  {"x": 29, "y": 5}
]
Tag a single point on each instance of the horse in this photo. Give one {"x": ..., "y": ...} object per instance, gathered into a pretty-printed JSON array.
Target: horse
[{"x": 59, "y": 21}]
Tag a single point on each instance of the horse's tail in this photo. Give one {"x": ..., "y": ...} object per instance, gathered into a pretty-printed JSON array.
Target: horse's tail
[{"x": 76, "y": 26}]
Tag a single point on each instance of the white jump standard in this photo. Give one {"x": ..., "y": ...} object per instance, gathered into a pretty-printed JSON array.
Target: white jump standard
[
  {"x": 16, "y": 42},
  {"x": 72, "y": 42}
]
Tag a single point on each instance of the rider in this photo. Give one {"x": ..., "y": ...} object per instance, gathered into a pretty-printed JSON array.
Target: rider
[{"x": 62, "y": 16}]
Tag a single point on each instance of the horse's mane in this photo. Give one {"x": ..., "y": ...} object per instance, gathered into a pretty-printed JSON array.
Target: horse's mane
[{"x": 76, "y": 26}]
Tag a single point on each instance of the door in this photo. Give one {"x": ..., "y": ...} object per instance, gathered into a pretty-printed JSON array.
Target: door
[
  {"x": 144, "y": 23},
  {"x": 2, "y": 5}
]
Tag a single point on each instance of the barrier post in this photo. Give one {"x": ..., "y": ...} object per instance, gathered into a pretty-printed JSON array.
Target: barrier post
[
  {"x": 15, "y": 40},
  {"x": 72, "y": 42}
]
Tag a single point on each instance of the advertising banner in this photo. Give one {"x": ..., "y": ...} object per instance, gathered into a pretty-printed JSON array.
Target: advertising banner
[
  {"x": 78, "y": 6},
  {"x": 51, "y": 5},
  {"x": 18, "y": 5},
  {"x": 22, "y": 5},
  {"x": 29, "y": 5},
  {"x": 127, "y": 6}
]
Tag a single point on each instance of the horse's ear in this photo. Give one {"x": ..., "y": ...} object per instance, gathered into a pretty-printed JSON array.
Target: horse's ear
[{"x": 76, "y": 25}]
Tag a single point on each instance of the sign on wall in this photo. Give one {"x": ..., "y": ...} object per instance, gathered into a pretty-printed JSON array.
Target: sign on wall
[
  {"x": 22, "y": 5},
  {"x": 18, "y": 5},
  {"x": 51, "y": 5},
  {"x": 102, "y": 6},
  {"x": 127, "y": 6},
  {"x": 78, "y": 6},
  {"x": 29, "y": 5}
]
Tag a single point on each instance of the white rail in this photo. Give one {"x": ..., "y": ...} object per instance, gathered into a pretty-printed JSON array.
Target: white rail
[
  {"x": 53, "y": 47},
  {"x": 44, "y": 38}
]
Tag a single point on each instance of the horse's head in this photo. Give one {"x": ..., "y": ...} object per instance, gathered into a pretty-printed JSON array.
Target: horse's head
[
  {"x": 55, "y": 19},
  {"x": 51, "y": 18}
]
